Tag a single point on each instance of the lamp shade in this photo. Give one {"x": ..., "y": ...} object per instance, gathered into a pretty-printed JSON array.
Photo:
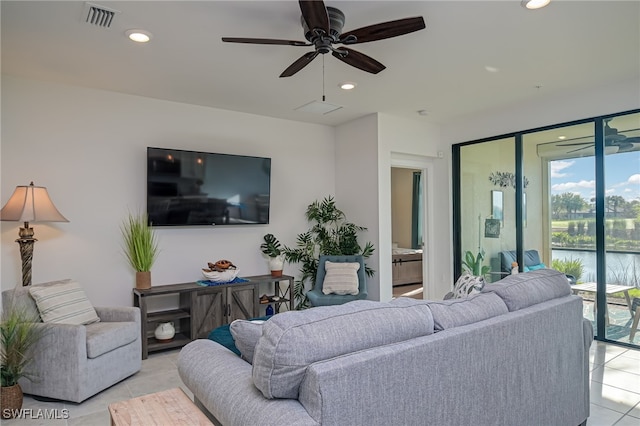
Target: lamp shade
[{"x": 31, "y": 204}]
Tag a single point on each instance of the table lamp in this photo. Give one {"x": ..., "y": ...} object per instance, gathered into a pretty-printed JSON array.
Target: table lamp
[{"x": 29, "y": 204}]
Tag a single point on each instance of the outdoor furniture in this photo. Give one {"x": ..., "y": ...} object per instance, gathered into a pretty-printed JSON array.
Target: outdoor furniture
[
  {"x": 609, "y": 290},
  {"x": 636, "y": 318}
]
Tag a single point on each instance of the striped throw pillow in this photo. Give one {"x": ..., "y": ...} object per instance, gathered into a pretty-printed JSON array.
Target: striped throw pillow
[
  {"x": 341, "y": 278},
  {"x": 64, "y": 303}
]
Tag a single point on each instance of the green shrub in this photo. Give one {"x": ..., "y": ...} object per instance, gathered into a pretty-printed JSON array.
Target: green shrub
[
  {"x": 569, "y": 266},
  {"x": 571, "y": 228}
]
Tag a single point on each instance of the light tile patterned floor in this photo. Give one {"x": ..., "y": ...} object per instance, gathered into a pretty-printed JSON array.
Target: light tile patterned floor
[{"x": 615, "y": 390}]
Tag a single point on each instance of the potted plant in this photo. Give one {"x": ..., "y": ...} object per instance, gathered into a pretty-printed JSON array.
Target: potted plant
[
  {"x": 273, "y": 250},
  {"x": 19, "y": 332},
  {"x": 330, "y": 234},
  {"x": 473, "y": 264},
  {"x": 140, "y": 247}
]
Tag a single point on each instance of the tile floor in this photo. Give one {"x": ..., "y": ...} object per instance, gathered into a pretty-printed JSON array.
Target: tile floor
[{"x": 615, "y": 390}]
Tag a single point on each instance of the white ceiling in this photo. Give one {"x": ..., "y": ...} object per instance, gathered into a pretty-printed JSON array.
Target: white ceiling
[{"x": 566, "y": 47}]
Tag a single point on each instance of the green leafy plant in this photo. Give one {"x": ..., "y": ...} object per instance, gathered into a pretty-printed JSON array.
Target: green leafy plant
[
  {"x": 140, "y": 242},
  {"x": 473, "y": 264},
  {"x": 19, "y": 332},
  {"x": 330, "y": 234},
  {"x": 569, "y": 266},
  {"x": 271, "y": 246}
]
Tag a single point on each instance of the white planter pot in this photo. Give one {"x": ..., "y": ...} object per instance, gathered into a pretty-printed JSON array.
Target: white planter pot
[{"x": 276, "y": 264}]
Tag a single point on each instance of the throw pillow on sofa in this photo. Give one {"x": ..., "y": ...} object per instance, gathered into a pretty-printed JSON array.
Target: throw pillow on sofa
[
  {"x": 341, "y": 278},
  {"x": 64, "y": 303},
  {"x": 245, "y": 335}
]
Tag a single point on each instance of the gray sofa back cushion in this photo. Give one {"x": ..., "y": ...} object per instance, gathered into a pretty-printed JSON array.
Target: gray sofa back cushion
[
  {"x": 458, "y": 312},
  {"x": 522, "y": 290},
  {"x": 291, "y": 341}
]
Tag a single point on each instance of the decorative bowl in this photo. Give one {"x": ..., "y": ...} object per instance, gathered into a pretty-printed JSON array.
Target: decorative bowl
[{"x": 221, "y": 277}]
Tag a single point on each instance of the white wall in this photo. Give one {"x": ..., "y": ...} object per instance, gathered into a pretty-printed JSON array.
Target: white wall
[
  {"x": 357, "y": 193},
  {"x": 417, "y": 143},
  {"x": 88, "y": 147}
]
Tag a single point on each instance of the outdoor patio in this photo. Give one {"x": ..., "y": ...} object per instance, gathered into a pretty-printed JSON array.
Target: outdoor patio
[{"x": 619, "y": 328}]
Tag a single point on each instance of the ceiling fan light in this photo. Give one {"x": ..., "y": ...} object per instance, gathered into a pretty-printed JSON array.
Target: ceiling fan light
[{"x": 534, "y": 4}]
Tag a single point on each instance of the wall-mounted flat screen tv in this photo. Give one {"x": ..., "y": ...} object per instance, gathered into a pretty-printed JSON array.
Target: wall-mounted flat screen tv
[{"x": 186, "y": 188}]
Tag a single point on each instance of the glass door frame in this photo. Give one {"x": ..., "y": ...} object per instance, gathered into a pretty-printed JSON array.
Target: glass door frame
[{"x": 598, "y": 123}]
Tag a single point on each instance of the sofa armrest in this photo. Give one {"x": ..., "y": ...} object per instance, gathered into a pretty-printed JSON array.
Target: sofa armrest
[
  {"x": 223, "y": 384},
  {"x": 118, "y": 314},
  {"x": 62, "y": 351}
]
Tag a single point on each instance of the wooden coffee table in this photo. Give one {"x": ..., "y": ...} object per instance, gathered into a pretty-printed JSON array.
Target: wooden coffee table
[{"x": 170, "y": 407}]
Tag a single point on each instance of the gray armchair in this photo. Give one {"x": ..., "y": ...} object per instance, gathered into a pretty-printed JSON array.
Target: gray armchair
[
  {"x": 74, "y": 362},
  {"x": 318, "y": 298}
]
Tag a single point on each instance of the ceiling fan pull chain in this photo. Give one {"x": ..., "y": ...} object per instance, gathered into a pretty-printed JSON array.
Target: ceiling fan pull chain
[{"x": 322, "y": 78}]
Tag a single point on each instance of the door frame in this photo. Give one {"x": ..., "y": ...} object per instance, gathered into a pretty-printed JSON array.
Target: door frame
[{"x": 425, "y": 165}]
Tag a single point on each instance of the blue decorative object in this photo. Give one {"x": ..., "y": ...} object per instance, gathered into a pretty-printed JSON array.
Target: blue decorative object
[
  {"x": 208, "y": 283},
  {"x": 269, "y": 311}
]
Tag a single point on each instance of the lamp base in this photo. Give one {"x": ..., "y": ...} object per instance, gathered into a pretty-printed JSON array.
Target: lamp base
[{"x": 26, "y": 254}]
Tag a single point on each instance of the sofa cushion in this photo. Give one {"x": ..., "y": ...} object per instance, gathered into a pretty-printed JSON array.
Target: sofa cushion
[
  {"x": 64, "y": 303},
  {"x": 245, "y": 335},
  {"x": 293, "y": 340},
  {"x": 103, "y": 337},
  {"x": 340, "y": 278},
  {"x": 522, "y": 290},
  {"x": 222, "y": 336},
  {"x": 458, "y": 312}
]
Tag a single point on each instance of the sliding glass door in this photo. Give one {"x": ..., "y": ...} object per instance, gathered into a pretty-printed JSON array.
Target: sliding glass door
[{"x": 566, "y": 197}]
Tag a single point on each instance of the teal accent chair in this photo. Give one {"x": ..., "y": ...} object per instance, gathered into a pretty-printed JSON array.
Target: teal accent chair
[{"x": 318, "y": 298}]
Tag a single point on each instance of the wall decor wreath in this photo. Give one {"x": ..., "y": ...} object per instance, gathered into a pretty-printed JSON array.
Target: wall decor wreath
[{"x": 506, "y": 179}]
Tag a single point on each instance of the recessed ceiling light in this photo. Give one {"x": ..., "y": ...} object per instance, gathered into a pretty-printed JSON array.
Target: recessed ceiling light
[
  {"x": 139, "y": 36},
  {"x": 348, "y": 85},
  {"x": 562, "y": 137},
  {"x": 534, "y": 4},
  {"x": 491, "y": 69}
]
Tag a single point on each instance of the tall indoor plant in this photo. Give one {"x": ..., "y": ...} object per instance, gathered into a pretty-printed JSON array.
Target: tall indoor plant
[
  {"x": 19, "y": 332},
  {"x": 140, "y": 247},
  {"x": 330, "y": 234}
]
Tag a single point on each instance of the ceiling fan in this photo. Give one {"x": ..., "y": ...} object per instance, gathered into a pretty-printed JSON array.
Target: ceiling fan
[
  {"x": 323, "y": 28},
  {"x": 611, "y": 139}
]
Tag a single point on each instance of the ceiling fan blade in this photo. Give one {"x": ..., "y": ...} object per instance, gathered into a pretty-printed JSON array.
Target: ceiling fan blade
[
  {"x": 315, "y": 14},
  {"x": 302, "y": 62},
  {"x": 383, "y": 30},
  {"x": 579, "y": 149},
  {"x": 264, "y": 41},
  {"x": 577, "y": 143},
  {"x": 358, "y": 60}
]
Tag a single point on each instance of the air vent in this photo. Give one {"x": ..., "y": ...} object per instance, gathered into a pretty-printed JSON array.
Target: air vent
[{"x": 99, "y": 16}]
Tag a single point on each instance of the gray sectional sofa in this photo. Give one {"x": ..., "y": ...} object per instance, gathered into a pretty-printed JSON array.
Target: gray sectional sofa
[{"x": 515, "y": 354}]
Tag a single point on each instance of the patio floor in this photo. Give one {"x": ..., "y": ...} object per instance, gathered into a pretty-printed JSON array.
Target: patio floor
[{"x": 620, "y": 320}]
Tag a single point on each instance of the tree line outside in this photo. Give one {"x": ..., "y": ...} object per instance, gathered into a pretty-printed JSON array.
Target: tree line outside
[{"x": 573, "y": 222}]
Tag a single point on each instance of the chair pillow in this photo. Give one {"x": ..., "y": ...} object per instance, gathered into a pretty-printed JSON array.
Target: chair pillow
[
  {"x": 64, "y": 303},
  {"x": 341, "y": 278},
  {"x": 245, "y": 335}
]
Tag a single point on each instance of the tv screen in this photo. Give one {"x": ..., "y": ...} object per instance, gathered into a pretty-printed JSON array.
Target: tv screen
[{"x": 200, "y": 188}]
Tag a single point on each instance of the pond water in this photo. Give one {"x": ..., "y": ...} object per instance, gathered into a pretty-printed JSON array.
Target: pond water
[{"x": 622, "y": 268}]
